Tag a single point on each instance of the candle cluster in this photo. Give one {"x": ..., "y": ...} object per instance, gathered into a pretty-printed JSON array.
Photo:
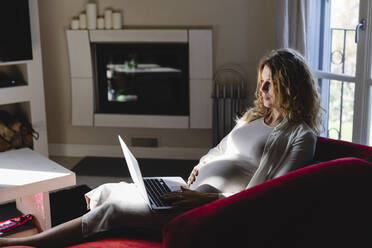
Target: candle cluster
[{"x": 89, "y": 19}]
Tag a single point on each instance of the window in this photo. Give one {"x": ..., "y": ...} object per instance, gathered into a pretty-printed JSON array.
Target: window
[{"x": 341, "y": 59}]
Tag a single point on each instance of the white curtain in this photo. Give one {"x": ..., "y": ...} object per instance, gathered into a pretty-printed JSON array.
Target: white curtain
[{"x": 292, "y": 24}]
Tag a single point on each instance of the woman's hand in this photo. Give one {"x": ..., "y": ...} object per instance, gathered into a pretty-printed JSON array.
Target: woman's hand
[
  {"x": 194, "y": 173},
  {"x": 189, "y": 198}
]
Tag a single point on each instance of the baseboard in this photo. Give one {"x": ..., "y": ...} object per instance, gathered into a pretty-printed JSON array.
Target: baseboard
[{"x": 81, "y": 150}]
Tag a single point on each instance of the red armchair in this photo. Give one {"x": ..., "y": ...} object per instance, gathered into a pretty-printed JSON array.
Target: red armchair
[{"x": 324, "y": 205}]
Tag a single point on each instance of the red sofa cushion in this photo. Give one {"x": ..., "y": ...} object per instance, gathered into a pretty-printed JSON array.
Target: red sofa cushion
[
  {"x": 111, "y": 243},
  {"x": 324, "y": 204},
  {"x": 118, "y": 243}
]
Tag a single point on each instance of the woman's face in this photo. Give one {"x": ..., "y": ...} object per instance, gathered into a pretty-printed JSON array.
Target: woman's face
[{"x": 266, "y": 88}]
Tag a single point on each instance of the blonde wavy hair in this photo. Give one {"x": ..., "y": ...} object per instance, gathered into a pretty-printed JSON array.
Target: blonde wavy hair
[{"x": 295, "y": 91}]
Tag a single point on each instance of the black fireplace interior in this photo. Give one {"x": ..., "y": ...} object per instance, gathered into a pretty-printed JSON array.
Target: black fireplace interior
[{"x": 142, "y": 78}]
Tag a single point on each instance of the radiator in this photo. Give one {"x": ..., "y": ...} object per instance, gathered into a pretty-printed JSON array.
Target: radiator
[{"x": 229, "y": 103}]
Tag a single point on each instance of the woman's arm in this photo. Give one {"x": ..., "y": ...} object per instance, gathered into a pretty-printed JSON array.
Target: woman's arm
[
  {"x": 189, "y": 198},
  {"x": 300, "y": 155}
]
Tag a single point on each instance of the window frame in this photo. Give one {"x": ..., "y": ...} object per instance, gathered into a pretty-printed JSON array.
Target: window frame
[
  {"x": 318, "y": 38},
  {"x": 362, "y": 99}
]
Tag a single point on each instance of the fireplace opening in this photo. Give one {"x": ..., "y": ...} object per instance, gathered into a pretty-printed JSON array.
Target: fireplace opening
[{"x": 142, "y": 78}]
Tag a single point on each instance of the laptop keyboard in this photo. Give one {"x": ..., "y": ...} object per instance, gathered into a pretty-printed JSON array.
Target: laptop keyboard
[{"x": 156, "y": 188}]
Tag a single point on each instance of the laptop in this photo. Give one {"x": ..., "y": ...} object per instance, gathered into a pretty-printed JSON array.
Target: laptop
[{"x": 150, "y": 188}]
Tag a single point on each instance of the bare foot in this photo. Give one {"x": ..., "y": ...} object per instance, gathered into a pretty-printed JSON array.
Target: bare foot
[{"x": 61, "y": 235}]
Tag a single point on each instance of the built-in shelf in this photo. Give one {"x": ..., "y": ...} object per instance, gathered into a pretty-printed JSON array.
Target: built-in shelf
[
  {"x": 20, "y": 62},
  {"x": 19, "y": 109},
  {"x": 29, "y": 97},
  {"x": 15, "y": 94}
]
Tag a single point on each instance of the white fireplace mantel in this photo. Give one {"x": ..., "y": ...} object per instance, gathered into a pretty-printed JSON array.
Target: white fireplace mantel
[{"x": 200, "y": 85}]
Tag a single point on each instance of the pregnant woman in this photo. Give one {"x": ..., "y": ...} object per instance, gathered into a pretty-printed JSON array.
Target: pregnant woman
[{"x": 274, "y": 137}]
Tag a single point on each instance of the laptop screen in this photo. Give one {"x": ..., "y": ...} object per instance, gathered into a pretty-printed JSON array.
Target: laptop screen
[{"x": 134, "y": 169}]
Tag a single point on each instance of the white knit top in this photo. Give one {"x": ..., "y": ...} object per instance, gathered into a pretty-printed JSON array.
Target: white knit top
[{"x": 253, "y": 153}]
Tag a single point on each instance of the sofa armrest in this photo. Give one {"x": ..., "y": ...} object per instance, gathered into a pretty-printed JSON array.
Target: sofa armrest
[
  {"x": 301, "y": 208},
  {"x": 328, "y": 149}
]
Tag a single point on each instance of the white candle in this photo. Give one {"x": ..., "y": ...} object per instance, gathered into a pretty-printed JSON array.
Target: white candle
[
  {"x": 83, "y": 21},
  {"x": 92, "y": 15},
  {"x": 108, "y": 19},
  {"x": 100, "y": 23},
  {"x": 75, "y": 24},
  {"x": 116, "y": 20}
]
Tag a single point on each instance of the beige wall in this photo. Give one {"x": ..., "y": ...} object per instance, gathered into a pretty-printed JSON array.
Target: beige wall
[{"x": 243, "y": 31}]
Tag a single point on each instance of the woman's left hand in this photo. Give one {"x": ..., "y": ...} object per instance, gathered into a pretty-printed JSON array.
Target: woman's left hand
[{"x": 189, "y": 198}]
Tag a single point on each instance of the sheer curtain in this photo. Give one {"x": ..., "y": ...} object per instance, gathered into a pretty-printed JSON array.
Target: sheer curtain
[{"x": 292, "y": 24}]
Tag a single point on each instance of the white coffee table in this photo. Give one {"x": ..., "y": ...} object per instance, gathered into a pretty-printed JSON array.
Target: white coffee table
[{"x": 27, "y": 177}]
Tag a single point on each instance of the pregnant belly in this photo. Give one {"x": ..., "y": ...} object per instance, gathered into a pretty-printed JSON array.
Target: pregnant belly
[{"x": 225, "y": 176}]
